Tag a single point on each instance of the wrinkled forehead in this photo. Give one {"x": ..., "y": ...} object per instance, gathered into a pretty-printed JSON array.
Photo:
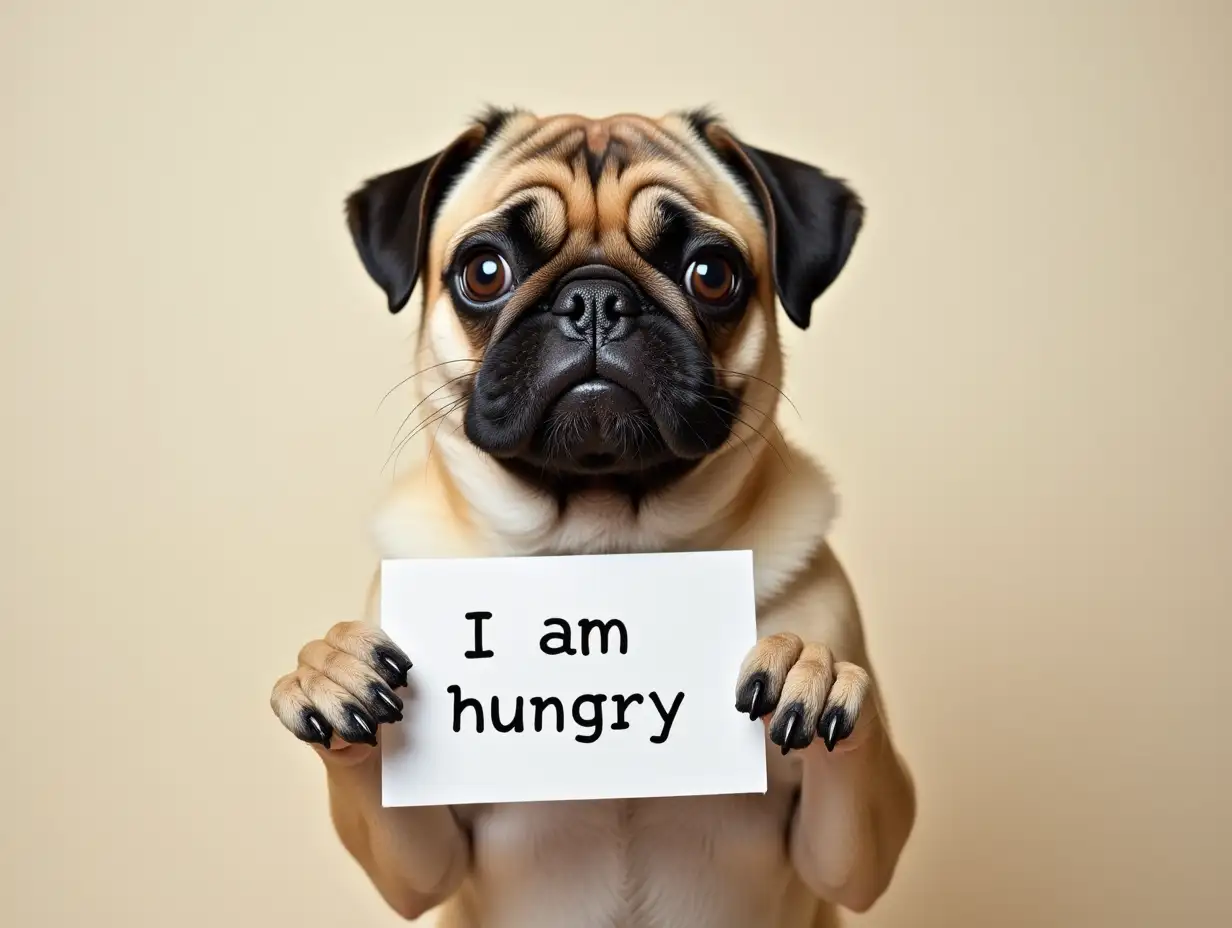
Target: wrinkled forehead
[{"x": 572, "y": 177}]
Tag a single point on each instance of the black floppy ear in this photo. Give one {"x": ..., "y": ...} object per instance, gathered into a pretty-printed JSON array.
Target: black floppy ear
[
  {"x": 812, "y": 219},
  {"x": 390, "y": 216}
]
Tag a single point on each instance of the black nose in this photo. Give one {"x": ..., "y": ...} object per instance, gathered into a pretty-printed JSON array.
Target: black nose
[{"x": 596, "y": 304}]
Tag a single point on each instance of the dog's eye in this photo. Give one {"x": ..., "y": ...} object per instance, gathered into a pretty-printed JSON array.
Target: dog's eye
[
  {"x": 710, "y": 279},
  {"x": 486, "y": 277}
]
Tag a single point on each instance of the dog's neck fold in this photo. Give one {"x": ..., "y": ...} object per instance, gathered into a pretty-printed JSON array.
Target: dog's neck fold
[{"x": 460, "y": 503}]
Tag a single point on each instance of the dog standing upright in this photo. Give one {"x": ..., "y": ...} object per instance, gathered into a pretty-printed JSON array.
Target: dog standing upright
[{"x": 599, "y": 348}]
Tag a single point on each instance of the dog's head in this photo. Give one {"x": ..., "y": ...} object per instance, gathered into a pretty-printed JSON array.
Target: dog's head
[{"x": 599, "y": 295}]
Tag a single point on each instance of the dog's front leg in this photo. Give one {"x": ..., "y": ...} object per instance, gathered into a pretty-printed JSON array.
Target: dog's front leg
[
  {"x": 857, "y": 802},
  {"x": 856, "y": 810},
  {"x": 337, "y": 699}
]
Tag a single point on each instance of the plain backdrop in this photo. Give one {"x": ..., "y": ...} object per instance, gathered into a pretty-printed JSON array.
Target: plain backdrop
[{"x": 1021, "y": 384}]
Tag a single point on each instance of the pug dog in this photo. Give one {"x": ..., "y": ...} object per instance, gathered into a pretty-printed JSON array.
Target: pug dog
[{"x": 599, "y": 369}]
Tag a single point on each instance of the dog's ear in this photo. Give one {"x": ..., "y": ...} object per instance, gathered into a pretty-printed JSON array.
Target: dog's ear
[
  {"x": 390, "y": 217},
  {"x": 812, "y": 219}
]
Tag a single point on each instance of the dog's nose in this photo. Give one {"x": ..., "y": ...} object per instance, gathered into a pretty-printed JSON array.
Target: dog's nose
[{"x": 599, "y": 308}]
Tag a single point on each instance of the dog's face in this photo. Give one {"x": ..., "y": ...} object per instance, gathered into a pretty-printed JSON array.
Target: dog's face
[{"x": 599, "y": 294}]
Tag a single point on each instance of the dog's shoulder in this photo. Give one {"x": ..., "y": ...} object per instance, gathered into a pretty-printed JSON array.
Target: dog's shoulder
[
  {"x": 787, "y": 524},
  {"x": 802, "y": 586}
]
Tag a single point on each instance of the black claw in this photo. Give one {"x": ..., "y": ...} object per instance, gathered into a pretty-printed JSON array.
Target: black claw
[
  {"x": 385, "y": 703},
  {"x": 315, "y": 729},
  {"x": 791, "y": 731},
  {"x": 362, "y": 727},
  {"x": 835, "y": 725},
  {"x": 753, "y": 697},
  {"x": 392, "y": 665}
]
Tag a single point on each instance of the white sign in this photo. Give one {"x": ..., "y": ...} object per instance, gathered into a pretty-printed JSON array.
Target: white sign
[{"x": 583, "y": 677}]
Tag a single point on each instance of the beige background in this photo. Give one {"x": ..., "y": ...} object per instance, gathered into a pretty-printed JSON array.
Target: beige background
[{"x": 1022, "y": 385}]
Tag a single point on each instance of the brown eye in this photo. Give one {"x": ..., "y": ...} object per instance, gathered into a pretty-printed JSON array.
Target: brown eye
[
  {"x": 710, "y": 279},
  {"x": 486, "y": 277}
]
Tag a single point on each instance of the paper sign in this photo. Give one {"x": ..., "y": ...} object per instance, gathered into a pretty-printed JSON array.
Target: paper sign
[{"x": 580, "y": 677}]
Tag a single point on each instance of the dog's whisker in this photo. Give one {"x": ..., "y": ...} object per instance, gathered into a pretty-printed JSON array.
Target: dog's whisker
[
  {"x": 719, "y": 411},
  {"x": 432, "y": 417},
  {"x": 454, "y": 403},
  {"x": 432, "y": 444},
  {"x": 774, "y": 447},
  {"x": 740, "y": 438},
  {"x": 451, "y": 380},
  {"x": 782, "y": 446},
  {"x": 783, "y": 438},
  {"x": 405, "y": 380},
  {"x": 435, "y": 417},
  {"x": 776, "y": 389},
  {"x": 765, "y": 417}
]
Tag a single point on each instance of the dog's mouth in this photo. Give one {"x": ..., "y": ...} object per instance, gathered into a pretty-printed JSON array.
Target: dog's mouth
[
  {"x": 597, "y": 427},
  {"x": 598, "y": 430}
]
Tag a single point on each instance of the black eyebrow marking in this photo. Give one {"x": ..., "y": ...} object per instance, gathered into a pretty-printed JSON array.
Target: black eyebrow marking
[
  {"x": 664, "y": 185},
  {"x": 674, "y": 229},
  {"x": 526, "y": 232},
  {"x": 680, "y": 222},
  {"x": 520, "y": 224}
]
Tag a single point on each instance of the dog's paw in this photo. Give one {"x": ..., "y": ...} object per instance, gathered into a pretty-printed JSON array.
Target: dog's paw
[
  {"x": 343, "y": 687},
  {"x": 804, "y": 691}
]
